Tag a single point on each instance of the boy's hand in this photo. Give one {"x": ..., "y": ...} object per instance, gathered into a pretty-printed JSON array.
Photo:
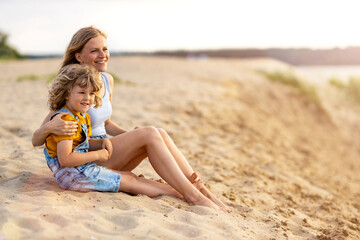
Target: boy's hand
[
  {"x": 106, "y": 144},
  {"x": 103, "y": 155}
]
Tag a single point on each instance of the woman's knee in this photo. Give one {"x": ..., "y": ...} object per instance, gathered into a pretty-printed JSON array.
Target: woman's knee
[
  {"x": 162, "y": 132},
  {"x": 151, "y": 132},
  {"x": 165, "y": 136}
]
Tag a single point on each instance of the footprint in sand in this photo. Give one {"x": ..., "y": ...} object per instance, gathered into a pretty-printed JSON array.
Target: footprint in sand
[
  {"x": 125, "y": 222},
  {"x": 55, "y": 219},
  {"x": 20, "y": 132}
]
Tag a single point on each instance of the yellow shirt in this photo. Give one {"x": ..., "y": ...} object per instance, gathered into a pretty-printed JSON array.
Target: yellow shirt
[{"x": 52, "y": 140}]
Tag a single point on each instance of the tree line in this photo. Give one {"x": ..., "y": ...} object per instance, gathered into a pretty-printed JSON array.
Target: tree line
[{"x": 6, "y": 51}]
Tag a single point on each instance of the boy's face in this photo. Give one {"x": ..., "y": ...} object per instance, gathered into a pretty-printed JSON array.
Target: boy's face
[{"x": 80, "y": 99}]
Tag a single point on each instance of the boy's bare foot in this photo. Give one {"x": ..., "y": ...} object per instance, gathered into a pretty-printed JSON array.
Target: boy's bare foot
[{"x": 196, "y": 181}]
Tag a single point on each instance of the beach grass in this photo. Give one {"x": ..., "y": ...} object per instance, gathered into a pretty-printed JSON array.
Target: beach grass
[
  {"x": 119, "y": 80},
  {"x": 49, "y": 77},
  {"x": 34, "y": 77},
  {"x": 350, "y": 89},
  {"x": 290, "y": 79},
  {"x": 337, "y": 82},
  {"x": 353, "y": 88}
]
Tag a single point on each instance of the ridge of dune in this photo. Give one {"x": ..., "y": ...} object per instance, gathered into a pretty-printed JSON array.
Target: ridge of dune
[{"x": 288, "y": 167}]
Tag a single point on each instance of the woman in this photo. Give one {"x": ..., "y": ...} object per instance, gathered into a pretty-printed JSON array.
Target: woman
[{"x": 89, "y": 46}]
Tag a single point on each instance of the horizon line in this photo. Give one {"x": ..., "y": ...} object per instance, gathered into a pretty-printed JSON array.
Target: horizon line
[{"x": 119, "y": 52}]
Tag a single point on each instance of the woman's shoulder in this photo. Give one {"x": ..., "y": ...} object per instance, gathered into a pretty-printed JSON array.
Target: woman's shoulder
[{"x": 110, "y": 79}]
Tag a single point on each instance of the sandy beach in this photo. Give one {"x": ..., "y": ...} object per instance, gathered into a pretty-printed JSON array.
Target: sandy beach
[{"x": 288, "y": 166}]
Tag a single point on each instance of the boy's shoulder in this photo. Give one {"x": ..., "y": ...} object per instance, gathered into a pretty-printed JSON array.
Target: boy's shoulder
[{"x": 68, "y": 117}]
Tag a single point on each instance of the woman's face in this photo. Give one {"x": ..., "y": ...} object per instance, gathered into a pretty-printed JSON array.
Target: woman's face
[{"x": 95, "y": 53}]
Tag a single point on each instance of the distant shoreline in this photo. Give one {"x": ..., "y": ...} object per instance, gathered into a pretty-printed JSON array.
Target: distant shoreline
[{"x": 294, "y": 56}]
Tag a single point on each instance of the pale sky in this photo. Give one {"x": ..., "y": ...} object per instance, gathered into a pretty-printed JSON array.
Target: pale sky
[{"x": 46, "y": 26}]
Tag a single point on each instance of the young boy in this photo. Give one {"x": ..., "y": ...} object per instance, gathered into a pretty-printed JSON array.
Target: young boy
[{"x": 74, "y": 91}]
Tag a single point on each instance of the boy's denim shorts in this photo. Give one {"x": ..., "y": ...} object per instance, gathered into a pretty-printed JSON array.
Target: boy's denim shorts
[
  {"x": 99, "y": 136},
  {"x": 86, "y": 177}
]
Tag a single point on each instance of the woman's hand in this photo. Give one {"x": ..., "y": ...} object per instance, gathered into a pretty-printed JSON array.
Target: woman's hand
[
  {"x": 60, "y": 127},
  {"x": 107, "y": 145}
]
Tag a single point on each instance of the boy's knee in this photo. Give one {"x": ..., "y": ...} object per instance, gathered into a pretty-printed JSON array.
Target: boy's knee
[{"x": 130, "y": 177}]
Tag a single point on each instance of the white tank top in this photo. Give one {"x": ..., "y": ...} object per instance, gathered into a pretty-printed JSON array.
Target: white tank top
[{"x": 99, "y": 115}]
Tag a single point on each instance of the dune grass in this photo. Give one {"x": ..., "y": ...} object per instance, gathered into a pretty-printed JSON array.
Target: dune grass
[
  {"x": 337, "y": 82},
  {"x": 350, "y": 89},
  {"x": 49, "y": 77},
  {"x": 119, "y": 80},
  {"x": 34, "y": 77},
  {"x": 290, "y": 79},
  {"x": 353, "y": 88}
]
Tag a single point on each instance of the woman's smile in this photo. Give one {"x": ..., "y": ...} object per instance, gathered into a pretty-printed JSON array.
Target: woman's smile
[{"x": 95, "y": 53}]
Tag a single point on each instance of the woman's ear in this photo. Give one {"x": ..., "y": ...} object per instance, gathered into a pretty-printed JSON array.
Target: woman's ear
[{"x": 78, "y": 57}]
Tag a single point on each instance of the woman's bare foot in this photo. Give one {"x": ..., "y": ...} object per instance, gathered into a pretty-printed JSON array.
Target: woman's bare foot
[
  {"x": 196, "y": 181},
  {"x": 201, "y": 200}
]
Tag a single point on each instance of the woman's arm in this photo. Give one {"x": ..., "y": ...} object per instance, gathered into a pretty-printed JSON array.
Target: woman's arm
[
  {"x": 112, "y": 128},
  {"x": 56, "y": 126},
  {"x": 67, "y": 158},
  {"x": 40, "y": 134}
]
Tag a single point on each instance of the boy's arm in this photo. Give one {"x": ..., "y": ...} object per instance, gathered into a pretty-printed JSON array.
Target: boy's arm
[
  {"x": 96, "y": 144},
  {"x": 67, "y": 158}
]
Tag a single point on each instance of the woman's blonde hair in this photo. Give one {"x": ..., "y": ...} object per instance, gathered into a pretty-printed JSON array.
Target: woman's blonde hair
[
  {"x": 69, "y": 76},
  {"x": 77, "y": 43}
]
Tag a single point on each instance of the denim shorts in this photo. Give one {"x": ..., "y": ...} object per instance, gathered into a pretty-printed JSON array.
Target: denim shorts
[
  {"x": 99, "y": 137},
  {"x": 86, "y": 177}
]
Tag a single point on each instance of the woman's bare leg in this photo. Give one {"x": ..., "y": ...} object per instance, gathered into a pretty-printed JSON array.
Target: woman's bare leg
[
  {"x": 189, "y": 172},
  {"x": 138, "y": 156},
  {"x": 116, "y": 162},
  {"x": 177, "y": 154},
  {"x": 130, "y": 145}
]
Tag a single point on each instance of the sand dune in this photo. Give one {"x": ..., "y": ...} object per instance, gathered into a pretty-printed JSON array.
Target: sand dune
[{"x": 288, "y": 166}]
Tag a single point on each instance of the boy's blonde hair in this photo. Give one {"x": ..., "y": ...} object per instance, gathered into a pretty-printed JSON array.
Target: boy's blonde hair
[
  {"x": 78, "y": 41},
  {"x": 69, "y": 76}
]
